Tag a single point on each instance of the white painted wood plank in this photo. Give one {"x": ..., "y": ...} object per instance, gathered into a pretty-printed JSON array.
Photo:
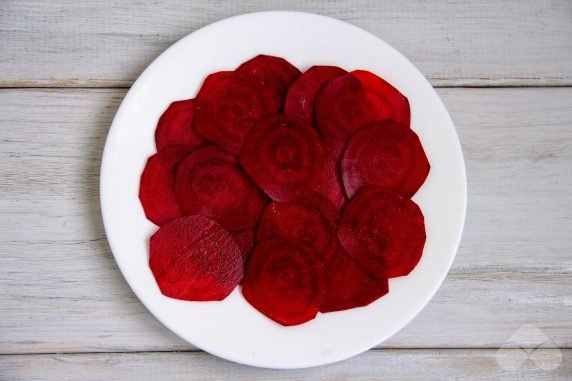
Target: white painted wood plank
[
  {"x": 477, "y": 364},
  {"x": 60, "y": 290},
  {"x": 455, "y": 43}
]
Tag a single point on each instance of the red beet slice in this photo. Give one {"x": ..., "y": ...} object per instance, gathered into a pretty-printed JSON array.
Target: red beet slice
[
  {"x": 385, "y": 154},
  {"x": 357, "y": 99},
  {"x": 175, "y": 126},
  {"x": 274, "y": 73},
  {"x": 210, "y": 182},
  {"x": 245, "y": 241},
  {"x": 383, "y": 232},
  {"x": 312, "y": 220},
  {"x": 347, "y": 286},
  {"x": 283, "y": 155},
  {"x": 194, "y": 258},
  {"x": 284, "y": 281},
  {"x": 228, "y": 105},
  {"x": 156, "y": 191},
  {"x": 330, "y": 184},
  {"x": 302, "y": 93}
]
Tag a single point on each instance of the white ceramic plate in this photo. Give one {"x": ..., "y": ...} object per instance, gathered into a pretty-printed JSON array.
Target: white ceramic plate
[{"x": 232, "y": 329}]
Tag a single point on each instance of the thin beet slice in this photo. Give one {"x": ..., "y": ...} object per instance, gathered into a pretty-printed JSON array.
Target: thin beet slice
[
  {"x": 383, "y": 232},
  {"x": 175, "y": 126},
  {"x": 210, "y": 182},
  {"x": 312, "y": 220},
  {"x": 284, "y": 281},
  {"x": 274, "y": 73},
  {"x": 245, "y": 241},
  {"x": 283, "y": 155},
  {"x": 303, "y": 91},
  {"x": 330, "y": 184},
  {"x": 194, "y": 258},
  {"x": 228, "y": 105},
  {"x": 347, "y": 286},
  {"x": 157, "y": 188},
  {"x": 354, "y": 100},
  {"x": 385, "y": 154},
  {"x": 387, "y": 100}
]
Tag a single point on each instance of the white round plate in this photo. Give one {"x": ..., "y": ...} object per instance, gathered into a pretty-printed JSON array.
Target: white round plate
[{"x": 232, "y": 329}]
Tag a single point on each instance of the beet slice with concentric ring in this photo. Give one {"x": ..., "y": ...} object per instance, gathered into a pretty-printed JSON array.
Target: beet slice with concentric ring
[
  {"x": 274, "y": 73},
  {"x": 348, "y": 286},
  {"x": 284, "y": 280},
  {"x": 312, "y": 220},
  {"x": 384, "y": 154},
  {"x": 283, "y": 155},
  {"x": 228, "y": 105},
  {"x": 354, "y": 100},
  {"x": 157, "y": 188},
  {"x": 383, "y": 232},
  {"x": 211, "y": 183},
  {"x": 303, "y": 91},
  {"x": 194, "y": 258},
  {"x": 175, "y": 126},
  {"x": 330, "y": 184}
]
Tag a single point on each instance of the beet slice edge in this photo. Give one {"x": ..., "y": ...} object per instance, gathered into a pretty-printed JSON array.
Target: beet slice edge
[
  {"x": 175, "y": 126},
  {"x": 157, "y": 186}
]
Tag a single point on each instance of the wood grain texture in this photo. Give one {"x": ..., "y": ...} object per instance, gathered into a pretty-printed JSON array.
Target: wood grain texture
[
  {"x": 60, "y": 289},
  {"x": 402, "y": 364},
  {"x": 90, "y": 43}
]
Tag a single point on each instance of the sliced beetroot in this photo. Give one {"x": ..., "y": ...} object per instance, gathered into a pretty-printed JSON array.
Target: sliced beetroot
[
  {"x": 303, "y": 91},
  {"x": 274, "y": 73},
  {"x": 383, "y": 232},
  {"x": 175, "y": 126},
  {"x": 354, "y": 100},
  {"x": 348, "y": 286},
  {"x": 386, "y": 99},
  {"x": 228, "y": 105},
  {"x": 157, "y": 188},
  {"x": 284, "y": 280},
  {"x": 194, "y": 258},
  {"x": 210, "y": 182},
  {"x": 245, "y": 241},
  {"x": 330, "y": 184},
  {"x": 283, "y": 155},
  {"x": 312, "y": 220},
  {"x": 385, "y": 154}
]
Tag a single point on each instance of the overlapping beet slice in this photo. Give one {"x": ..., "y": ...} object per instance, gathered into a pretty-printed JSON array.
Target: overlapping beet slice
[
  {"x": 284, "y": 280},
  {"x": 283, "y": 155},
  {"x": 210, "y": 182},
  {"x": 348, "y": 286},
  {"x": 312, "y": 220},
  {"x": 354, "y": 100},
  {"x": 175, "y": 126},
  {"x": 245, "y": 241},
  {"x": 330, "y": 184},
  {"x": 194, "y": 258},
  {"x": 302, "y": 93},
  {"x": 228, "y": 105},
  {"x": 383, "y": 232},
  {"x": 274, "y": 73},
  {"x": 157, "y": 188},
  {"x": 385, "y": 154}
]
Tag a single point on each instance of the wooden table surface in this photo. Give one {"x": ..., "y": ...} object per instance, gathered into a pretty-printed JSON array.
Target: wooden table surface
[{"x": 504, "y": 71}]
